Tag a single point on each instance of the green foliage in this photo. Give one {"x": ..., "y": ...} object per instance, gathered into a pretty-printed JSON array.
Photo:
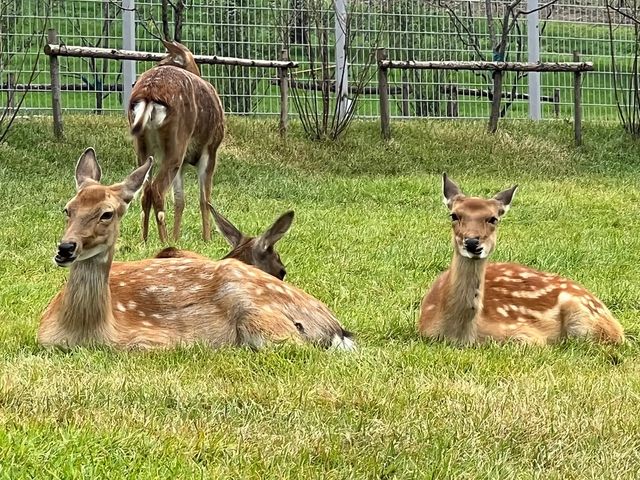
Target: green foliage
[{"x": 369, "y": 237}]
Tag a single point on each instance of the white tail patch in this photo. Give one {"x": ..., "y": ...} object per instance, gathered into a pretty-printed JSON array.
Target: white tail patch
[
  {"x": 343, "y": 343},
  {"x": 158, "y": 115},
  {"x": 152, "y": 114}
]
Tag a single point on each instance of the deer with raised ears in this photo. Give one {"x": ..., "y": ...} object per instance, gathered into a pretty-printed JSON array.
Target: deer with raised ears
[
  {"x": 176, "y": 117},
  {"x": 475, "y": 300},
  {"x": 257, "y": 251},
  {"x": 166, "y": 302}
]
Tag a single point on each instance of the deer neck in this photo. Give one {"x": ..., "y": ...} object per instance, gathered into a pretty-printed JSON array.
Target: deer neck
[
  {"x": 464, "y": 301},
  {"x": 86, "y": 315}
]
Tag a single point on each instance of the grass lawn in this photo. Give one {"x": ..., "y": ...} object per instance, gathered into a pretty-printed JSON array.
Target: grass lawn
[{"x": 369, "y": 237}]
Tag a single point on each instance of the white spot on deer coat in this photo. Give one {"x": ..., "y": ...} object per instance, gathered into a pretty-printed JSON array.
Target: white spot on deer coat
[{"x": 120, "y": 307}]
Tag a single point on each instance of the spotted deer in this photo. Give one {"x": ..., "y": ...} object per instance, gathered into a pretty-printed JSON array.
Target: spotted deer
[
  {"x": 475, "y": 300},
  {"x": 176, "y": 117},
  {"x": 257, "y": 251},
  {"x": 166, "y": 302}
]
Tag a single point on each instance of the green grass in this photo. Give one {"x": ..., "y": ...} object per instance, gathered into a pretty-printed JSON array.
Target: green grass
[{"x": 369, "y": 237}]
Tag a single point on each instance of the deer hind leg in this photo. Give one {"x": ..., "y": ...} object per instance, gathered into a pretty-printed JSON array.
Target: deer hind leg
[
  {"x": 257, "y": 330},
  {"x": 142, "y": 152},
  {"x": 178, "y": 198},
  {"x": 597, "y": 323},
  {"x": 159, "y": 188},
  {"x": 206, "y": 168},
  {"x": 146, "y": 209}
]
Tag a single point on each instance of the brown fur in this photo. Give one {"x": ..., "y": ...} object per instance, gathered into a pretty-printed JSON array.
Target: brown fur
[
  {"x": 166, "y": 302},
  {"x": 257, "y": 251},
  {"x": 474, "y": 301},
  {"x": 185, "y": 126}
]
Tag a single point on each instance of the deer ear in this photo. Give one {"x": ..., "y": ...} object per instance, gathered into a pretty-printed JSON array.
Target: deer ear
[
  {"x": 505, "y": 198},
  {"x": 449, "y": 190},
  {"x": 133, "y": 183},
  {"x": 87, "y": 169},
  {"x": 276, "y": 231},
  {"x": 226, "y": 228}
]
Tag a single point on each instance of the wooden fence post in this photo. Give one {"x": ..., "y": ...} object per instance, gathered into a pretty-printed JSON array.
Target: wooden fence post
[
  {"x": 405, "y": 95},
  {"x": 556, "y": 102},
  {"x": 383, "y": 90},
  {"x": 452, "y": 102},
  {"x": 577, "y": 102},
  {"x": 58, "y": 128},
  {"x": 11, "y": 85},
  {"x": 284, "y": 93}
]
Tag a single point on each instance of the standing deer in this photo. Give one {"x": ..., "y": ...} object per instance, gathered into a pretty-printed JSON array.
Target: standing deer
[
  {"x": 165, "y": 302},
  {"x": 475, "y": 300},
  {"x": 257, "y": 251},
  {"x": 177, "y": 117}
]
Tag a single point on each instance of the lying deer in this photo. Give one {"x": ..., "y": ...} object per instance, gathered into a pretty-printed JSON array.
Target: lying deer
[
  {"x": 165, "y": 302},
  {"x": 256, "y": 251},
  {"x": 177, "y": 117},
  {"x": 475, "y": 300}
]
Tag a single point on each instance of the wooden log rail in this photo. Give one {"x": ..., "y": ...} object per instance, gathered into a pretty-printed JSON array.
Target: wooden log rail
[
  {"x": 116, "y": 54},
  {"x": 576, "y": 67},
  {"x": 54, "y": 50},
  {"x": 490, "y": 66}
]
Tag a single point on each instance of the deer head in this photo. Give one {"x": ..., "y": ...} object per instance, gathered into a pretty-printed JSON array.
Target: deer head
[
  {"x": 258, "y": 251},
  {"x": 179, "y": 56},
  {"x": 475, "y": 220},
  {"x": 93, "y": 215}
]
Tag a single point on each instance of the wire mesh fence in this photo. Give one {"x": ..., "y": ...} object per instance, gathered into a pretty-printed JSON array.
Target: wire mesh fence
[{"x": 409, "y": 29}]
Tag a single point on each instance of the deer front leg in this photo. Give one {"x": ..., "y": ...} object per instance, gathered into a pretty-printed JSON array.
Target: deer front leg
[{"x": 206, "y": 168}]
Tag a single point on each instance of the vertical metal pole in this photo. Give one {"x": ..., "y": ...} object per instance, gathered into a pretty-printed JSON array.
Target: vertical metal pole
[
  {"x": 342, "y": 67},
  {"x": 128, "y": 43},
  {"x": 533, "y": 47}
]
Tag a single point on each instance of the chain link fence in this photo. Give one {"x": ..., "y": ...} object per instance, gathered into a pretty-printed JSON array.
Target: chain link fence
[{"x": 409, "y": 29}]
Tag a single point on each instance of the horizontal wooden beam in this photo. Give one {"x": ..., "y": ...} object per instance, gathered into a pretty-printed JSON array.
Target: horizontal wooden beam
[
  {"x": 115, "y": 54},
  {"x": 475, "y": 92},
  {"x": 491, "y": 66}
]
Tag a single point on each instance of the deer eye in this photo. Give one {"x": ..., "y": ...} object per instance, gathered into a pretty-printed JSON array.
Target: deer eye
[
  {"x": 106, "y": 216},
  {"x": 492, "y": 220},
  {"x": 454, "y": 217}
]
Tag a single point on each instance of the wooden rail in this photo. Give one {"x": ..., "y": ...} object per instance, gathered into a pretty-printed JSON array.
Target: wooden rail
[
  {"x": 490, "y": 66},
  {"x": 54, "y": 50},
  {"x": 384, "y": 65}
]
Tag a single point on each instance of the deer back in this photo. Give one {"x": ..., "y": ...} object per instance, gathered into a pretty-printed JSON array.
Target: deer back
[{"x": 185, "y": 105}]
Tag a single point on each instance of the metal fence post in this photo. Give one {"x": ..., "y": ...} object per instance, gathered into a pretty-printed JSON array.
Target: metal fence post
[
  {"x": 128, "y": 43},
  {"x": 533, "y": 46},
  {"x": 342, "y": 62}
]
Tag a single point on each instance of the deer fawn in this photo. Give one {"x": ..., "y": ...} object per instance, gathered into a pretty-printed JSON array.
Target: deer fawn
[
  {"x": 165, "y": 302},
  {"x": 474, "y": 301},
  {"x": 256, "y": 251},
  {"x": 177, "y": 117}
]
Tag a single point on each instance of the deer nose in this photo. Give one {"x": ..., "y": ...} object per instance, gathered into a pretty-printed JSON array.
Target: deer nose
[
  {"x": 281, "y": 274},
  {"x": 472, "y": 244},
  {"x": 67, "y": 249}
]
